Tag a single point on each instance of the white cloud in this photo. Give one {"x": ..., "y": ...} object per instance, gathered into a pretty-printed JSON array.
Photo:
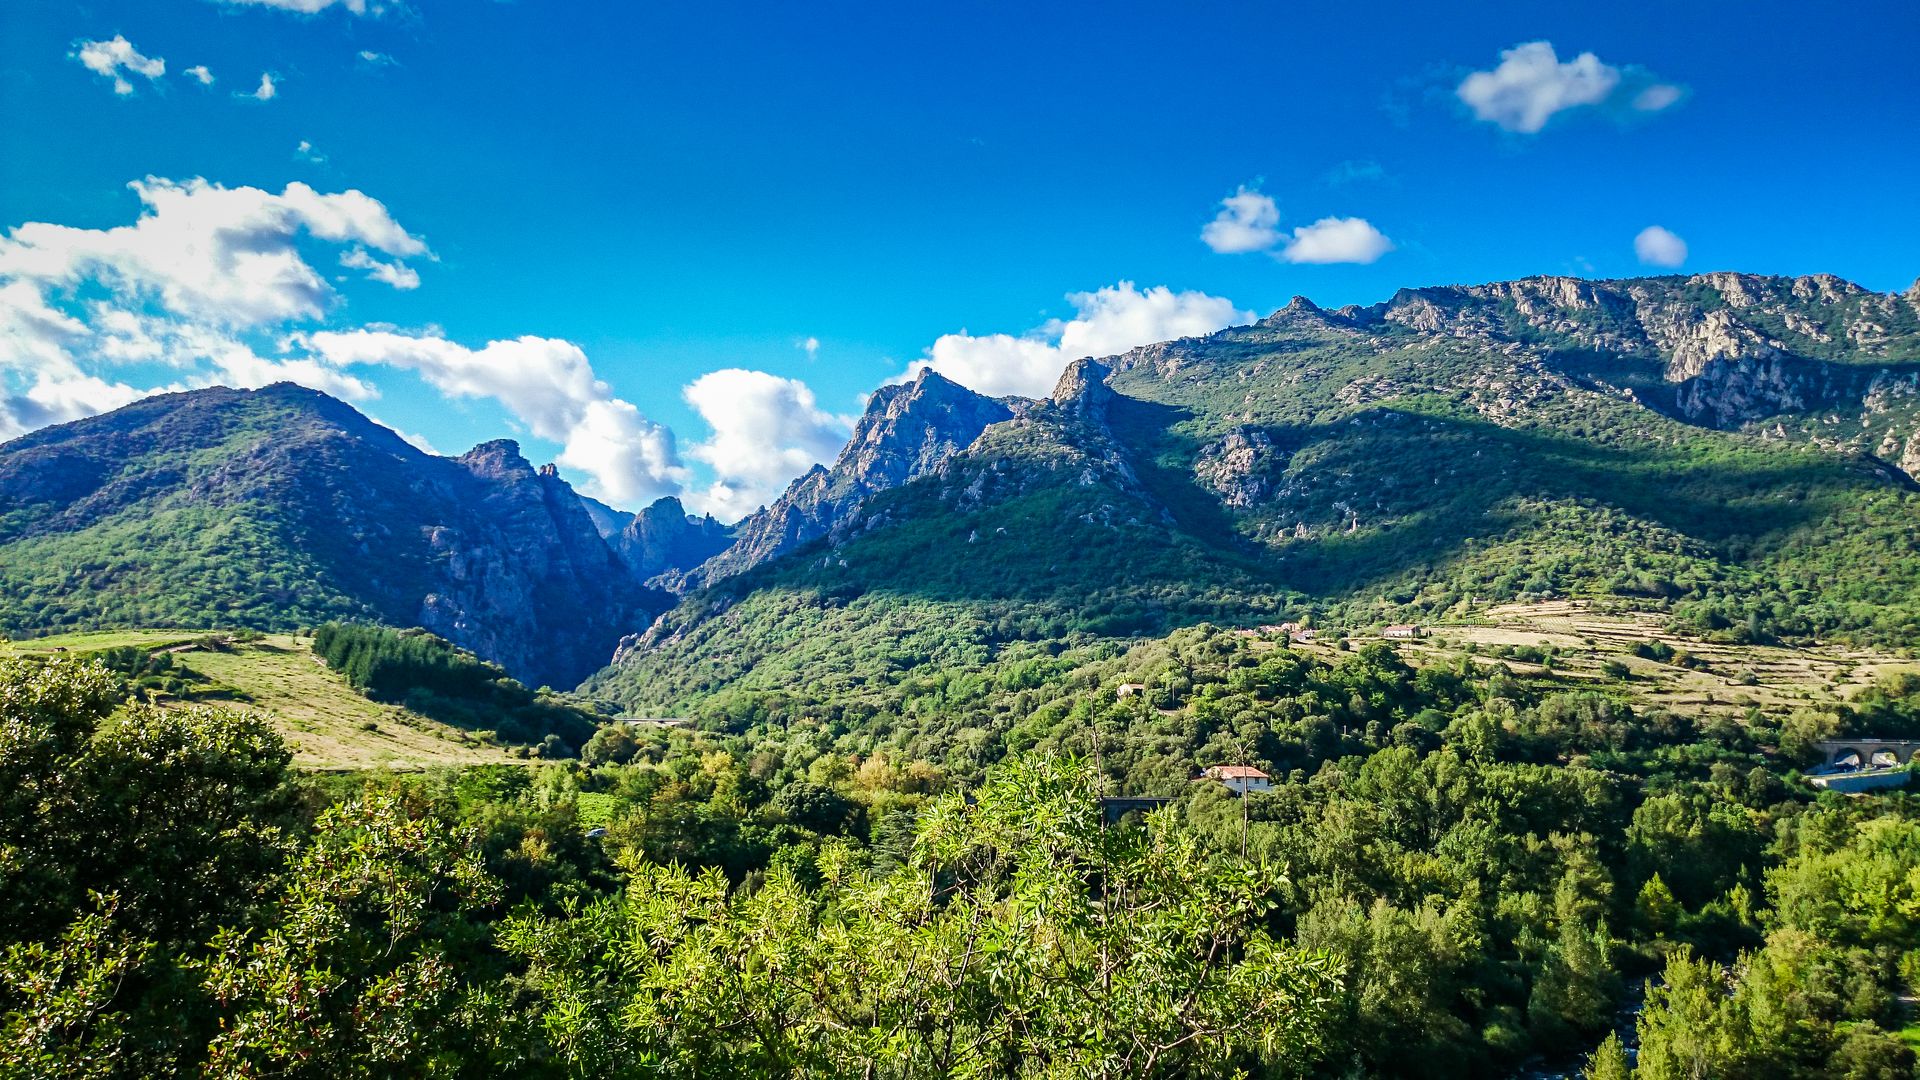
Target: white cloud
[
  {"x": 116, "y": 58},
  {"x": 1532, "y": 84},
  {"x": 226, "y": 256},
  {"x": 1656, "y": 246},
  {"x": 397, "y": 274},
  {"x": 200, "y": 73},
  {"x": 547, "y": 383},
  {"x": 265, "y": 91},
  {"x": 1336, "y": 240},
  {"x": 57, "y": 399},
  {"x": 766, "y": 431},
  {"x": 36, "y": 343},
  {"x": 811, "y": 346},
  {"x": 1247, "y": 221},
  {"x": 306, "y": 152},
  {"x": 377, "y": 59},
  {"x": 1656, "y": 97},
  {"x": 202, "y": 266},
  {"x": 1107, "y": 321}
]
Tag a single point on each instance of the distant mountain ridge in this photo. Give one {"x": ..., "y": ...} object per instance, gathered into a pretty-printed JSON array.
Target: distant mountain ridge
[
  {"x": 282, "y": 507},
  {"x": 1739, "y": 449},
  {"x": 1692, "y": 442}
]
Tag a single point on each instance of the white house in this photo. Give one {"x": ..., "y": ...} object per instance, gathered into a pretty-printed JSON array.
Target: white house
[{"x": 1240, "y": 779}]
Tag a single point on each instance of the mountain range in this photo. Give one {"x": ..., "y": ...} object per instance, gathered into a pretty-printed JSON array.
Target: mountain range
[{"x": 1739, "y": 450}]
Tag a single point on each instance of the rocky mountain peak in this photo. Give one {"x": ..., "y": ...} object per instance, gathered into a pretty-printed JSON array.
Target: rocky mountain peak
[
  {"x": 497, "y": 459},
  {"x": 663, "y": 539},
  {"x": 1083, "y": 388},
  {"x": 909, "y": 430}
]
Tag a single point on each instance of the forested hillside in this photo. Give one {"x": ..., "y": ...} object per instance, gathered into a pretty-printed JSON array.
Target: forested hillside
[
  {"x": 1461, "y": 873},
  {"x": 1729, "y": 450}
]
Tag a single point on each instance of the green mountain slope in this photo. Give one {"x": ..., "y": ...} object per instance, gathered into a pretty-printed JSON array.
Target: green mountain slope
[
  {"x": 1728, "y": 449},
  {"x": 281, "y": 508}
]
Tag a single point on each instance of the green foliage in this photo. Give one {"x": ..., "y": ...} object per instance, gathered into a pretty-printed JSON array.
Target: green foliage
[
  {"x": 351, "y": 976},
  {"x": 1026, "y": 939}
]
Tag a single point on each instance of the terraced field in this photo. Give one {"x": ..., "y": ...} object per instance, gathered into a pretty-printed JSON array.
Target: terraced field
[{"x": 1592, "y": 645}]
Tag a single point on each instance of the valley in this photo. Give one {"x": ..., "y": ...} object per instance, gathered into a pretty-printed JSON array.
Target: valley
[{"x": 1597, "y": 573}]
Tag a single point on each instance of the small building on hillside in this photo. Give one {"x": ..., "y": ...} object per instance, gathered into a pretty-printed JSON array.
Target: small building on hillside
[
  {"x": 1240, "y": 779},
  {"x": 1128, "y": 689},
  {"x": 1303, "y": 634},
  {"x": 653, "y": 721},
  {"x": 1401, "y": 632}
]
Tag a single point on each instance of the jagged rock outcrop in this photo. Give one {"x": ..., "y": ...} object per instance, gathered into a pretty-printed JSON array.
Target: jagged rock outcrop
[
  {"x": 664, "y": 539},
  {"x": 909, "y": 430},
  {"x": 1733, "y": 348},
  {"x": 306, "y": 511}
]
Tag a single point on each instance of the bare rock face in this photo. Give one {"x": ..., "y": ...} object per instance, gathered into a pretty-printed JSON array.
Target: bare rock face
[
  {"x": 1083, "y": 391},
  {"x": 528, "y": 581},
  {"x": 663, "y": 539},
  {"x": 1238, "y": 467},
  {"x": 909, "y": 430}
]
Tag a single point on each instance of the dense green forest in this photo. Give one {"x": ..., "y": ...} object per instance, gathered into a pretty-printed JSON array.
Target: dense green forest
[{"x": 1461, "y": 872}]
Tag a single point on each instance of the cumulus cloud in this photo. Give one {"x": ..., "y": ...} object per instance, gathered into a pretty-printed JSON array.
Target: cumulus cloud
[
  {"x": 221, "y": 255},
  {"x": 1656, "y": 246},
  {"x": 1250, "y": 221},
  {"x": 116, "y": 59},
  {"x": 40, "y": 383},
  {"x": 547, "y": 383},
  {"x": 1532, "y": 84},
  {"x": 200, "y": 73},
  {"x": 766, "y": 431},
  {"x": 1247, "y": 221},
  {"x": 1336, "y": 240},
  {"x": 179, "y": 289},
  {"x": 265, "y": 91},
  {"x": 1107, "y": 321},
  {"x": 811, "y": 346}
]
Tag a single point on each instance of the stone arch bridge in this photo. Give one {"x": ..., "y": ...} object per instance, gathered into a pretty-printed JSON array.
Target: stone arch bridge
[{"x": 1869, "y": 753}]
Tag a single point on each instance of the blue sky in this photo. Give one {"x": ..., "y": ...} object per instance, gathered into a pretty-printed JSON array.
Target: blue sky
[{"x": 631, "y": 197}]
